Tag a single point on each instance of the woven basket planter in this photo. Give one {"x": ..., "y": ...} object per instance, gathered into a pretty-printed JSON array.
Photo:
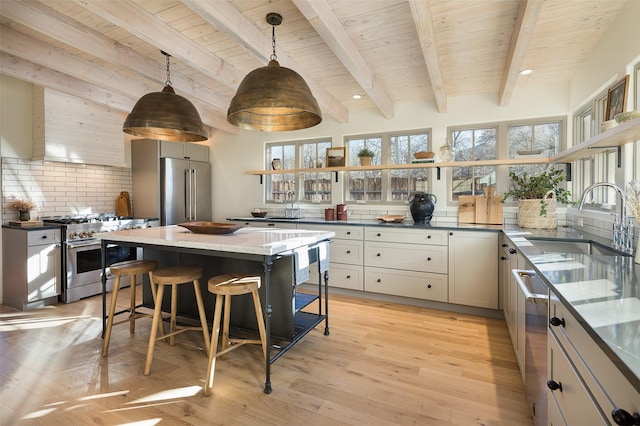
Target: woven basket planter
[{"x": 529, "y": 213}]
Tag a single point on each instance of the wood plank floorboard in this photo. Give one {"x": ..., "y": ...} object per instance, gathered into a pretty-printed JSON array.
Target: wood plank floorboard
[{"x": 382, "y": 364}]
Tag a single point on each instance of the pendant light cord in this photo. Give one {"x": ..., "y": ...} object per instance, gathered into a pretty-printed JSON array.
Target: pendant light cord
[
  {"x": 168, "y": 82},
  {"x": 273, "y": 43}
]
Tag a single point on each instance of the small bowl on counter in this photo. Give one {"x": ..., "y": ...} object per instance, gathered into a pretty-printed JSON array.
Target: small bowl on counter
[{"x": 258, "y": 213}]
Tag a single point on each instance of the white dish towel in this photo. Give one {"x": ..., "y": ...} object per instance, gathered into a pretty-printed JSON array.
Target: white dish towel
[
  {"x": 323, "y": 256},
  {"x": 301, "y": 264}
]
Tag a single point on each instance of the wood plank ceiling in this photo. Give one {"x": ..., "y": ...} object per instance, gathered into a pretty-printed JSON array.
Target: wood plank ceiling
[{"x": 388, "y": 51}]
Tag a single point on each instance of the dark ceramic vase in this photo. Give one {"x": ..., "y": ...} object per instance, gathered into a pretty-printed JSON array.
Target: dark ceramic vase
[
  {"x": 422, "y": 205},
  {"x": 25, "y": 215}
]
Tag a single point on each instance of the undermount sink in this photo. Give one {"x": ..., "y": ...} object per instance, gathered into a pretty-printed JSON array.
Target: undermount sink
[{"x": 576, "y": 247}]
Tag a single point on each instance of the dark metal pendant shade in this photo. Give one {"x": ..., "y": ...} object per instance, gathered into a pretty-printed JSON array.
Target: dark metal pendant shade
[
  {"x": 165, "y": 116},
  {"x": 274, "y": 99}
]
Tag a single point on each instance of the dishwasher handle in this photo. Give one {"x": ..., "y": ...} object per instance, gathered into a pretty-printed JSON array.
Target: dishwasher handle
[{"x": 530, "y": 296}]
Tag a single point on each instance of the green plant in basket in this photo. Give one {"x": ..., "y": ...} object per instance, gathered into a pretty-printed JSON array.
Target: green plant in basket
[{"x": 526, "y": 187}]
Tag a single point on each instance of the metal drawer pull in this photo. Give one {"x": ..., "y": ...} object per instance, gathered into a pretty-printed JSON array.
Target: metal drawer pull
[
  {"x": 429, "y": 258},
  {"x": 348, "y": 277},
  {"x": 624, "y": 418},
  {"x": 553, "y": 385},
  {"x": 555, "y": 321},
  {"x": 379, "y": 254},
  {"x": 428, "y": 285},
  {"x": 348, "y": 251},
  {"x": 379, "y": 280}
]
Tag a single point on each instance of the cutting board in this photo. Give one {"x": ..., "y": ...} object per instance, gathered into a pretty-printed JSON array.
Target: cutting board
[
  {"x": 466, "y": 209},
  {"x": 483, "y": 209},
  {"x": 123, "y": 204}
]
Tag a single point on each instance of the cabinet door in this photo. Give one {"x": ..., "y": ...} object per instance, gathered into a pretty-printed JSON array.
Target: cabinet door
[
  {"x": 172, "y": 149},
  {"x": 473, "y": 268},
  {"x": 43, "y": 268},
  {"x": 347, "y": 251},
  {"x": 573, "y": 400},
  {"x": 196, "y": 152},
  {"x": 409, "y": 236}
]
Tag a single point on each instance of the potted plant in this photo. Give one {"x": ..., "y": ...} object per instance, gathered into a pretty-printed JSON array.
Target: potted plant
[
  {"x": 24, "y": 208},
  {"x": 537, "y": 197},
  {"x": 366, "y": 155}
]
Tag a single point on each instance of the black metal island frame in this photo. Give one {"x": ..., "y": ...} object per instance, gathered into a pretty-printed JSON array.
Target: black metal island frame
[{"x": 277, "y": 255}]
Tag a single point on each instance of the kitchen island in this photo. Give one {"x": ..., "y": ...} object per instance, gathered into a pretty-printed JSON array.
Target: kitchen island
[{"x": 269, "y": 253}]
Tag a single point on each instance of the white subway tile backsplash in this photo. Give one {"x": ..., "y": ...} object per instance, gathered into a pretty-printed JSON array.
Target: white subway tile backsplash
[{"x": 62, "y": 188}]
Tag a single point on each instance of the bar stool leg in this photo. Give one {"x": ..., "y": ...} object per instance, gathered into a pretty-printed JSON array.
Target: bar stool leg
[
  {"x": 132, "y": 314},
  {"x": 226, "y": 344},
  {"x": 260, "y": 319},
  {"x": 174, "y": 309},
  {"x": 203, "y": 316},
  {"x": 112, "y": 311},
  {"x": 215, "y": 332},
  {"x": 157, "y": 316}
]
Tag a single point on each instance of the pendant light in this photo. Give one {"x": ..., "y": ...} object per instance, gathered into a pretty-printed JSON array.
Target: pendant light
[
  {"x": 165, "y": 116},
  {"x": 274, "y": 98}
]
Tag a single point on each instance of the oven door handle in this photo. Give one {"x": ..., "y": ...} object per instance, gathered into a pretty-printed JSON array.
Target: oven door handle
[
  {"x": 80, "y": 244},
  {"x": 530, "y": 297}
]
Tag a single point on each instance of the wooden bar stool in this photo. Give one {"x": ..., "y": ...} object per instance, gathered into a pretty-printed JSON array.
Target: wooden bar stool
[
  {"x": 225, "y": 286},
  {"x": 131, "y": 268},
  {"x": 174, "y": 277}
]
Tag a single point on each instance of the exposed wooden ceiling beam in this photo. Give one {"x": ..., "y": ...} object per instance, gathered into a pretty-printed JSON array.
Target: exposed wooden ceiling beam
[
  {"x": 327, "y": 25},
  {"x": 520, "y": 38},
  {"x": 49, "y": 22},
  {"x": 421, "y": 12},
  {"x": 45, "y": 55},
  {"x": 228, "y": 19}
]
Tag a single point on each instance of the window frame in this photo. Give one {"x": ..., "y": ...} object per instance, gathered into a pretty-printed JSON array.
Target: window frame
[{"x": 384, "y": 158}]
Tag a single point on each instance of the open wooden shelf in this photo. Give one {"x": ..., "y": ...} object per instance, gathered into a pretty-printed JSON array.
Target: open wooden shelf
[
  {"x": 406, "y": 166},
  {"x": 622, "y": 134}
]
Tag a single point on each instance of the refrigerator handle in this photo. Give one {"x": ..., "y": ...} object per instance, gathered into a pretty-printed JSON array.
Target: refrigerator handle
[
  {"x": 187, "y": 194},
  {"x": 195, "y": 193}
]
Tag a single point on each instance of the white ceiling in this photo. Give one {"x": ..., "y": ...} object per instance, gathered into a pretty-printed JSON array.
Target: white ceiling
[{"x": 389, "y": 51}]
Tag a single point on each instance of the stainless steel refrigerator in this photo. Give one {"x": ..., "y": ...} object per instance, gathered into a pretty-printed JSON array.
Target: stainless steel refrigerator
[{"x": 173, "y": 189}]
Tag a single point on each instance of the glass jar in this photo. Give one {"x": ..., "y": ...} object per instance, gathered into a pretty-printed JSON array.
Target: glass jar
[{"x": 446, "y": 153}]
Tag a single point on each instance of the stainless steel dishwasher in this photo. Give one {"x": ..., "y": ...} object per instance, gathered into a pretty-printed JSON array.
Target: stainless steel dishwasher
[{"x": 536, "y": 296}]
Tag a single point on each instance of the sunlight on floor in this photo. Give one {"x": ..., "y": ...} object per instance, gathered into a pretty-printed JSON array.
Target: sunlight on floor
[{"x": 13, "y": 322}]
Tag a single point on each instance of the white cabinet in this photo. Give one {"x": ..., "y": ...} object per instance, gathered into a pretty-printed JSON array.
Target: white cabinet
[
  {"x": 346, "y": 255},
  {"x": 571, "y": 397},
  {"x": 73, "y": 130},
  {"x": 31, "y": 267},
  {"x": 574, "y": 354},
  {"x": 473, "y": 268},
  {"x": 408, "y": 263},
  {"x": 186, "y": 150}
]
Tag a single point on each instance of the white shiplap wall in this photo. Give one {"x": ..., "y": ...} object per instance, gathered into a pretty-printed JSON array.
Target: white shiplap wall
[{"x": 61, "y": 188}]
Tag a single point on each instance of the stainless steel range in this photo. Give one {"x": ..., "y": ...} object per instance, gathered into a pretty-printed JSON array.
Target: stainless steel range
[{"x": 82, "y": 255}]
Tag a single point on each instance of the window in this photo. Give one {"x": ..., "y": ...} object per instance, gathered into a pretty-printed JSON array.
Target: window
[
  {"x": 543, "y": 138},
  {"x": 583, "y": 127},
  {"x": 473, "y": 145},
  {"x": 389, "y": 185},
  {"x": 284, "y": 187}
]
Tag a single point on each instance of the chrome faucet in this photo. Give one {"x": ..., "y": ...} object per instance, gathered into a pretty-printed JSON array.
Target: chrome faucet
[
  {"x": 622, "y": 231},
  {"x": 291, "y": 212}
]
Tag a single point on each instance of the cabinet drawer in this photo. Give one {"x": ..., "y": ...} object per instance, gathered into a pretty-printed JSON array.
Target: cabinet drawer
[
  {"x": 574, "y": 402},
  {"x": 342, "y": 232},
  {"x": 605, "y": 381},
  {"x": 286, "y": 225},
  {"x": 42, "y": 237},
  {"x": 413, "y": 236},
  {"x": 422, "y": 258},
  {"x": 345, "y": 251},
  {"x": 342, "y": 276},
  {"x": 418, "y": 285}
]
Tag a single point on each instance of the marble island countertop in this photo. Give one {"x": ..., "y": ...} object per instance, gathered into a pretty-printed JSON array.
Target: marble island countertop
[
  {"x": 248, "y": 240},
  {"x": 601, "y": 291}
]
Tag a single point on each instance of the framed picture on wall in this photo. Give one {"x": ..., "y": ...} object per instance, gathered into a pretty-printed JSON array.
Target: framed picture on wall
[
  {"x": 336, "y": 157},
  {"x": 617, "y": 98}
]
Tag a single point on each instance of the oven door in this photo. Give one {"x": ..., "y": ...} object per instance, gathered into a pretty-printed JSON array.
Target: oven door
[{"x": 84, "y": 261}]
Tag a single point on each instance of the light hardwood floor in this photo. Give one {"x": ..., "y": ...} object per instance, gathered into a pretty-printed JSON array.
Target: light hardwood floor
[{"x": 382, "y": 364}]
